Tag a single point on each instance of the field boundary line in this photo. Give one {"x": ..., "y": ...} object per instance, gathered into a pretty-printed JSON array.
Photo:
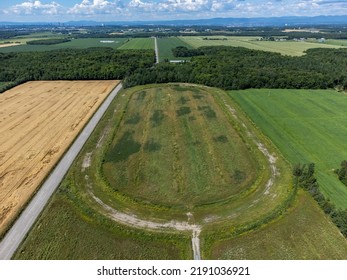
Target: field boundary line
[{"x": 15, "y": 236}]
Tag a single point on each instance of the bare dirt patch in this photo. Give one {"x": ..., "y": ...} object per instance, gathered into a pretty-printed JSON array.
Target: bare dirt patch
[
  {"x": 39, "y": 121},
  {"x": 9, "y": 45}
]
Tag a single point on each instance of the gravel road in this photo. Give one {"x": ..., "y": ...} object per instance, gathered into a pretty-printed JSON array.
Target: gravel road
[{"x": 23, "y": 224}]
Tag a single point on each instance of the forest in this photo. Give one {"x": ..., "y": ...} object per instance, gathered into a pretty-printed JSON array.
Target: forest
[
  {"x": 239, "y": 68},
  {"x": 71, "y": 64},
  {"x": 224, "y": 67}
]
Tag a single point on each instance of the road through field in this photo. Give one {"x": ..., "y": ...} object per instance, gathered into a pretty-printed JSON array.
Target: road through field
[
  {"x": 19, "y": 230},
  {"x": 156, "y": 50}
]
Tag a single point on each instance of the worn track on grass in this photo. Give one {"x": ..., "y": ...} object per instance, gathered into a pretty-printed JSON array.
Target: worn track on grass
[{"x": 129, "y": 218}]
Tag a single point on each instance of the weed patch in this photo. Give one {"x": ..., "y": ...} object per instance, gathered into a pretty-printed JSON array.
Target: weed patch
[{"x": 183, "y": 111}]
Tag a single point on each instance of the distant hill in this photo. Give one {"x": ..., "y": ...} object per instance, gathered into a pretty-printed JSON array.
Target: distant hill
[{"x": 236, "y": 22}]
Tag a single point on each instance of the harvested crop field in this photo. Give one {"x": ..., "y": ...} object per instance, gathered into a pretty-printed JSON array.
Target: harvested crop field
[{"x": 38, "y": 122}]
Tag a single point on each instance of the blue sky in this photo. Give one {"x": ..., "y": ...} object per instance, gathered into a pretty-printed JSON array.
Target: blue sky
[{"x": 127, "y": 10}]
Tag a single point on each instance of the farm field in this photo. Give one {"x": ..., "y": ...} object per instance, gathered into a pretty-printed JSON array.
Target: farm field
[
  {"x": 307, "y": 126},
  {"x": 138, "y": 44},
  {"x": 305, "y": 232},
  {"x": 340, "y": 42},
  {"x": 197, "y": 129},
  {"x": 74, "y": 43},
  {"x": 38, "y": 122},
  {"x": 165, "y": 45},
  {"x": 285, "y": 48}
]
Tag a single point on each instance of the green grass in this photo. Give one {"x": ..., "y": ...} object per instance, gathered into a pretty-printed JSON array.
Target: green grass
[
  {"x": 165, "y": 45},
  {"x": 286, "y": 48},
  {"x": 336, "y": 42},
  {"x": 165, "y": 151},
  {"x": 138, "y": 44},
  {"x": 75, "y": 44},
  {"x": 307, "y": 126},
  {"x": 305, "y": 232}
]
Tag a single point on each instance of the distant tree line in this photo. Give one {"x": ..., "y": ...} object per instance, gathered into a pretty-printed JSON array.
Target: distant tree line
[
  {"x": 8, "y": 34},
  {"x": 72, "y": 64},
  {"x": 342, "y": 172},
  {"x": 304, "y": 177},
  {"x": 233, "y": 68},
  {"x": 48, "y": 42}
]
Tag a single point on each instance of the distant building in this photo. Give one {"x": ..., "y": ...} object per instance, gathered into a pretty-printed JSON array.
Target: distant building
[
  {"x": 321, "y": 40},
  {"x": 177, "y": 61}
]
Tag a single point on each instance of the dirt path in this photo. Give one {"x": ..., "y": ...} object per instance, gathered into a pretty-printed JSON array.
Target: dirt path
[
  {"x": 134, "y": 221},
  {"x": 271, "y": 159}
]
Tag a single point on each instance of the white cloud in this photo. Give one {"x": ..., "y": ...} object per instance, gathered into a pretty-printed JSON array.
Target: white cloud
[
  {"x": 96, "y": 7},
  {"x": 171, "y": 9},
  {"x": 181, "y": 5},
  {"x": 34, "y": 8}
]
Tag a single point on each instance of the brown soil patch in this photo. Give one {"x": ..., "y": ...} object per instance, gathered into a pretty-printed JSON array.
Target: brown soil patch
[{"x": 38, "y": 122}]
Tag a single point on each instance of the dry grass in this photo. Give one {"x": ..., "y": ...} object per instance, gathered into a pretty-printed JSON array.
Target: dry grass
[
  {"x": 38, "y": 122},
  {"x": 9, "y": 45}
]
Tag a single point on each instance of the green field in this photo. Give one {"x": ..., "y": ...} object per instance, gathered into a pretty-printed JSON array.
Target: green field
[
  {"x": 165, "y": 45},
  {"x": 181, "y": 154},
  {"x": 304, "y": 233},
  {"x": 307, "y": 126},
  {"x": 138, "y": 44},
  {"x": 286, "y": 47},
  {"x": 74, "y": 43},
  {"x": 336, "y": 42}
]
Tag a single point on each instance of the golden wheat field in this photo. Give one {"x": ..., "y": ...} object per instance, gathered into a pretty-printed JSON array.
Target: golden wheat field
[{"x": 38, "y": 122}]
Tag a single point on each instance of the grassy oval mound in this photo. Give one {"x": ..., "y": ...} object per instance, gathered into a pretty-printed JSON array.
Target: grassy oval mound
[
  {"x": 183, "y": 152},
  {"x": 176, "y": 147}
]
